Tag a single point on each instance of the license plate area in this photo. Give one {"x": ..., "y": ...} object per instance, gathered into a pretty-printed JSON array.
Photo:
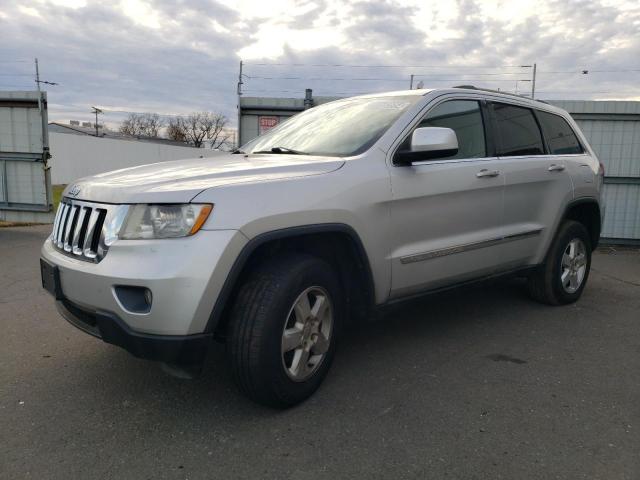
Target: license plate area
[{"x": 50, "y": 279}]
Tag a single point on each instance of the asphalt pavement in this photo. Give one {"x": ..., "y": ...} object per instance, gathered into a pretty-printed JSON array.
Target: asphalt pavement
[{"x": 480, "y": 383}]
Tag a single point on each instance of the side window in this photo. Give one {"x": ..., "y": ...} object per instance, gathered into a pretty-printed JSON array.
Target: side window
[
  {"x": 464, "y": 118},
  {"x": 559, "y": 135},
  {"x": 518, "y": 132}
]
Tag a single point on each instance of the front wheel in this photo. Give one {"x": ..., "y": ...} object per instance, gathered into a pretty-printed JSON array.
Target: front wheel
[
  {"x": 283, "y": 329},
  {"x": 564, "y": 274}
]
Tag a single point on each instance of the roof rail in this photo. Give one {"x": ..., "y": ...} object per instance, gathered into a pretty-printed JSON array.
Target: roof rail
[{"x": 472, "y": 87}]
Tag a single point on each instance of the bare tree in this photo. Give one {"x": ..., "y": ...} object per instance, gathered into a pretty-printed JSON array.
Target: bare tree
[
  {"x": 199, "y": 128},
  {"x": 219, "y": 137},
  {"x": 142, "y": 125},
  {"x": 176, "y": 131}
]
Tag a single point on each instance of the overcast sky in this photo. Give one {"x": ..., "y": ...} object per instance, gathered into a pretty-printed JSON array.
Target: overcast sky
[{"x": 178, "y": 56}]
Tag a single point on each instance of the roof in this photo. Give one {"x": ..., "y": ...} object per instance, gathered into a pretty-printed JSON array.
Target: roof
[{"x": 22, "y": 95}]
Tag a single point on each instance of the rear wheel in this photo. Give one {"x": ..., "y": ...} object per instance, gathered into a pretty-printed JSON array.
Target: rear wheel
[
  {"x": 283, "y": 329},
  {"x": 564, "y": 274}
]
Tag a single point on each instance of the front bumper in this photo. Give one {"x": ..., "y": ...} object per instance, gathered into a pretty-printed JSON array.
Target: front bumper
[
  {"x": 184, "y": 275},
  {"x": 174, "y": 349}
]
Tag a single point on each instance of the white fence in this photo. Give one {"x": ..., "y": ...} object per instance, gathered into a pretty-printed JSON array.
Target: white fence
[{"x": 76, "y": 156}]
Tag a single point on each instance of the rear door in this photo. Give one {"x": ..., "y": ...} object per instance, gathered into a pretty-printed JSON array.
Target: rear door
[
  {"x": 567, "y": 150},
  {"x": 446, "y": 213},
  {"x": 537, "y": 184}
]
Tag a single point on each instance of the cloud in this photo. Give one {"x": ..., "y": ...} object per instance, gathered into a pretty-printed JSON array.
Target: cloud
[{"x": 178, "y": 56}]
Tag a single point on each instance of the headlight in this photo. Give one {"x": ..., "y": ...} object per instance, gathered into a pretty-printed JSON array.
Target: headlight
[{"x": 164, "y": 221}]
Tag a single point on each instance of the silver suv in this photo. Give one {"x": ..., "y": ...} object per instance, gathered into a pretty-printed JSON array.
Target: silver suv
[{"x": 335, "y": 213}]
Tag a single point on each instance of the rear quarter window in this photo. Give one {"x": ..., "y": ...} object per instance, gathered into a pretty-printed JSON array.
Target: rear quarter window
[{"x": 560, "y": 137}]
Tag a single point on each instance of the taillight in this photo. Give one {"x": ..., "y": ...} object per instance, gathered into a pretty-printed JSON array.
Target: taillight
[{"x": 601, "y": 169}]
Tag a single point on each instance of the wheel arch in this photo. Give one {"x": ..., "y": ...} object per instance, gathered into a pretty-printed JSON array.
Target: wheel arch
[
  {"x": 587, "y": 212},
  {"x": 335, "y": 242}
]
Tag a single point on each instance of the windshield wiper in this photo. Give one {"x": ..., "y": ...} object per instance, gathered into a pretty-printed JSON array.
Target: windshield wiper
[
  {"x": 236, "y": 151},
  {"x": 282, "y": 150}
]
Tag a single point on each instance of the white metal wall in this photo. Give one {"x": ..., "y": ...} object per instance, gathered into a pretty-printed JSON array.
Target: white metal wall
[
  {"x": 20, "y": 127},
  {"x": 24, "y": 181},
  {"x": 622, "y": 219},
  {"x": 613, "y": 131},
  {"x": 76, "y": 156}
]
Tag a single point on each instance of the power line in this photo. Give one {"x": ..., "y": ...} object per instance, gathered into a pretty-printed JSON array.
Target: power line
[
  {"x": 614, "y": 71},
  {"x": 328, "y": 79},
  {"x": 378, "y": 66},
  {"x": 434, "y": 66},
  {"x": 574, "y": 92},
  {"x": 477, "y": 74},
  {"x": 384, "y": 79},
  {"x": 320, "y": 93}
]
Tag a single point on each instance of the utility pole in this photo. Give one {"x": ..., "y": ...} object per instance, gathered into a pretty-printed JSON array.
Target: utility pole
[
  {"x": 239, "y": 107},
  {"x": 37, "y": 76},
  {"x": 45, "y": 140},
  {"x": 533, "y": 83},
  {"x": 411, "y": 82},
  {"x": 38, "y": 81},
  {"x": 96, "y": 110},
  {"x": 240, "y": 82}
]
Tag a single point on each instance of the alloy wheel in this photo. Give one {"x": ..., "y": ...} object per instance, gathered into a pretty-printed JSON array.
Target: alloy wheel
[
  {"x": 574, "y": 265},
  {"x": 307, "y": 333}
]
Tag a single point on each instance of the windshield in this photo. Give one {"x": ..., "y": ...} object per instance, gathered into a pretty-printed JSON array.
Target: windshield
[{"x": 341, "y": 128}]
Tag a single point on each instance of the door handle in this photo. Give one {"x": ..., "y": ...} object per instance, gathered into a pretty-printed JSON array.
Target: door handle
[
  {"x": 487, "y": 173},
  {"x": 555, "y": 168}
]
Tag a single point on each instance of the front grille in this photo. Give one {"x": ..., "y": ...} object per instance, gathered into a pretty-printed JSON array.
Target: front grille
[{"x": 85, "y": 230}]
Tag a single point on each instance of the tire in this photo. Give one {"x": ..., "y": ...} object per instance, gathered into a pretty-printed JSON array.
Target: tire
[
  {"x": 270, "y": 301},
  {"x": 561, "y": 279}
]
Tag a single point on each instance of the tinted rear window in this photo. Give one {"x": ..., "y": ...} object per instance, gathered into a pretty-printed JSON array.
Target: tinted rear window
[
  {"x": 559, "y": 135},
  {"x": 518, "y": 132}
]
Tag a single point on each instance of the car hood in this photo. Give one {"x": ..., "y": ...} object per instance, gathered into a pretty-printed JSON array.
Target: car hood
[{"x": 180, "y": 181}]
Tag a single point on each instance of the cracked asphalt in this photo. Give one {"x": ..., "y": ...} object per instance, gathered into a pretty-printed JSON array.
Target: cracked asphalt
[{"x": 472, "y": 384}]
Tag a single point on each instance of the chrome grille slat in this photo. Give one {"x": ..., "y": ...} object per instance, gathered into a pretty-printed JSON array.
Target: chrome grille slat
[
  {"x": 88, "y": 239},
  {"x": 63, "y": 223},
  {"x": 85, "y": 230},
  {"x": 66, "y": 242},
  {"x": 56, "y": 221},
  {"x": 61, "y": 208},
  {"x": 76, "y": 249},
  {"x": 56, "y": 231}
]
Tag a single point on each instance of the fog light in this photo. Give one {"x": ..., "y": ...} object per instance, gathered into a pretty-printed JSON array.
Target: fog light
[{"x": 134, "y": 299}]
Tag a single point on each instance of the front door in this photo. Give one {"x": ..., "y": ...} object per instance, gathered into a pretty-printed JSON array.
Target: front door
[{"x": 446, "y": 214}]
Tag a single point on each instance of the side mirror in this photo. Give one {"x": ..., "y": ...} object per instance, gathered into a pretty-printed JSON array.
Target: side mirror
[{"x": 428, "y": 143}]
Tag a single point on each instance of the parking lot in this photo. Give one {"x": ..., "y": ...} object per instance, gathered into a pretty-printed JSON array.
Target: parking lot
[{"x": 475, "y": 383}]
